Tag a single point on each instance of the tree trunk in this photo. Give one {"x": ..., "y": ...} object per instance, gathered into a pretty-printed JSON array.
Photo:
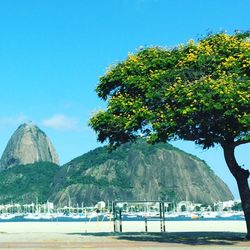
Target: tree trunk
[{"x": 241, "y": 175}]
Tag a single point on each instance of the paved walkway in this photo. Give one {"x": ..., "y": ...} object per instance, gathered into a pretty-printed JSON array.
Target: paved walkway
[{"x": 187, "y": 240}]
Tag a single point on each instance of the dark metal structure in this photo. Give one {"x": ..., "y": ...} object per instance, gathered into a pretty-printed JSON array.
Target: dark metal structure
[{"x": 118, "y": 210}]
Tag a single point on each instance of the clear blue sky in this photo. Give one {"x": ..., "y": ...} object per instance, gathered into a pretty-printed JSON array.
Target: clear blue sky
[{"x": 53, "y": 51}]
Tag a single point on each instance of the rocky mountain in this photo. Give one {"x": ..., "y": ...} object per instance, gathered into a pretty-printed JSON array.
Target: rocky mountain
[
  {"x": 137, "y": 171},
  {"x": 28, "y": 144}
]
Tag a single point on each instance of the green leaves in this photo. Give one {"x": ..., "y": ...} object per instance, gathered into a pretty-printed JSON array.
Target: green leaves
[
  {"x": 196, "y": 92},
  {"x": 26, "y": 183}
]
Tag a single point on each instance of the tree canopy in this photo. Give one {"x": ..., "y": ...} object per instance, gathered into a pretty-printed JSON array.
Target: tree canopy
[{"x": 198, "y": 91}]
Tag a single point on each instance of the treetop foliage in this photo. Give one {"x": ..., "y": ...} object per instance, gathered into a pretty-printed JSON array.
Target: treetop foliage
[{"x": 198, "y": 91}]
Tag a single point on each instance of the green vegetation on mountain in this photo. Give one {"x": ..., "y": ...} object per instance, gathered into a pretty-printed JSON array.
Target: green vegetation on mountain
[
  {"x": 137, "y": 171},
  {"x": 27, "y": 183},
  {"x": 96, "y": 157}
]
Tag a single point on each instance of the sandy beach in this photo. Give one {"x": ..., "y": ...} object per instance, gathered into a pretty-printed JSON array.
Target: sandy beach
[
  {"x": 127, "y": 226},
  {"x": 100, "y": 235}
]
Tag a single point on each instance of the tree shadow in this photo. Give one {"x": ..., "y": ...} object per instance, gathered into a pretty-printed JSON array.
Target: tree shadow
[{"x": 189, "y": 238}]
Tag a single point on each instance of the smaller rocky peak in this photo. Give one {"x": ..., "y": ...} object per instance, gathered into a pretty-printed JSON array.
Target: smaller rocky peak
[{"x": 28, "y": 144}]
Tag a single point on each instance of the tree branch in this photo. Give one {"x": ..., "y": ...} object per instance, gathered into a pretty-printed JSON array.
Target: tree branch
[{"x": 239, "y": 142}]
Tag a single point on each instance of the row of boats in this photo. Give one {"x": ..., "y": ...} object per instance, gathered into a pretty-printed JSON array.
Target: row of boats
[
  {"x": 191, "y": 215},
  {"x": 47, "y": 216},
  {"x": 93, "y": 215}
]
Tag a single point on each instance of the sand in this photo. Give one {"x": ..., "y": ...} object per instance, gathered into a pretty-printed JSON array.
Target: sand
[
  {"x": 99, "y": 235},
  {"x": 131, "y": 226}
]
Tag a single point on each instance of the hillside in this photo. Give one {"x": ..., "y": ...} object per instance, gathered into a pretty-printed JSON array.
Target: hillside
[
  {"x": 137, "y": 172},
  {"x": 27, "y": 183}
]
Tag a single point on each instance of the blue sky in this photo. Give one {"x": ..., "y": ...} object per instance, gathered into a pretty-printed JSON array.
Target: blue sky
[{"x": 52, "y": 53}]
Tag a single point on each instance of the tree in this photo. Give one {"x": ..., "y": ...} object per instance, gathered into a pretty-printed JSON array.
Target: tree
[
  {"x": 198, "y": 92},
  {"x": 237, "y": 207},
  {"x": 183, "y": 208}
]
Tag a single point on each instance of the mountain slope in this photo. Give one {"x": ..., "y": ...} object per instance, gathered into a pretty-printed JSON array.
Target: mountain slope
[
  {"x": 137, "y": 172},
  {"x": 25, "y": 184}
]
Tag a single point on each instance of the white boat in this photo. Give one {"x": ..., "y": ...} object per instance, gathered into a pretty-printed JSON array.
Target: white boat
[
  {"x": 92, "y": 215},
  {"x": 57, "y": 215},
  {"x": 32, "y": 216},
  {"x": 209, "y": 215},
  {"x": 109, "y": 216},
  {"x": 172, "y": 215},
  {"x": 47, "y": 216},
  {"x": 225, "y": 214},
  {"x": 75, "y": 216},
  {"x": 7, "y": 216},
  {"x": 152, "y": 214},
  {"x": 131, "y": 215}
]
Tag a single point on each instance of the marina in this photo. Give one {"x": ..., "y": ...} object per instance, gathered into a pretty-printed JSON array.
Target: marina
[{"x": 94, "y": 217}]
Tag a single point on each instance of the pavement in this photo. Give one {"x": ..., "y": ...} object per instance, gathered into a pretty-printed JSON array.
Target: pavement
[{"x": 129, "y": 241}]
